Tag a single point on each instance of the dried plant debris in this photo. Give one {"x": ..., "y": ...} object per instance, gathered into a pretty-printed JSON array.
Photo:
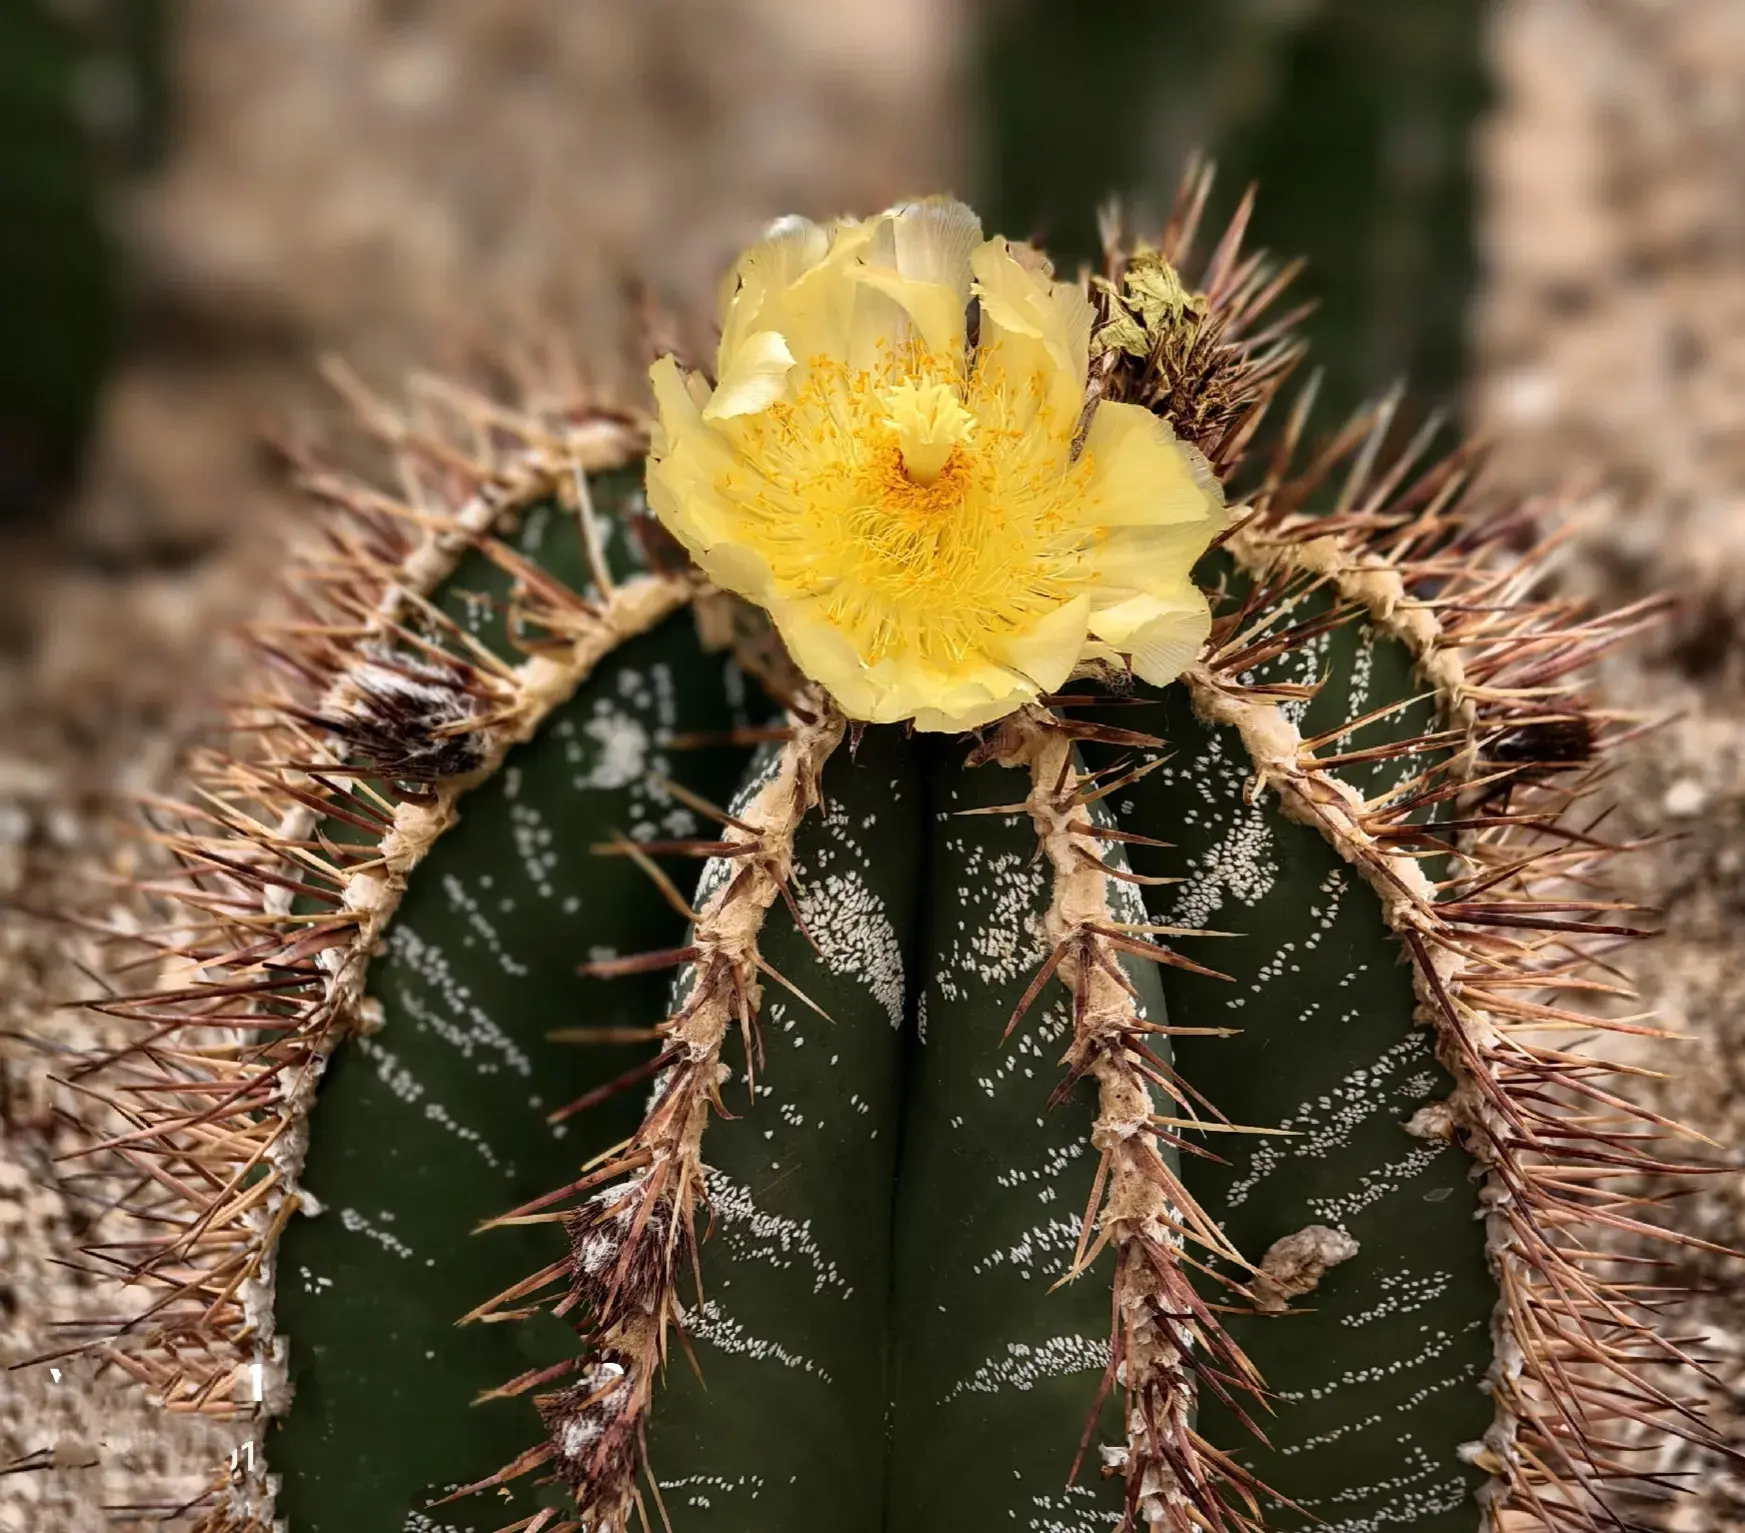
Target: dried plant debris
[{"x": 937, "y": 1077}]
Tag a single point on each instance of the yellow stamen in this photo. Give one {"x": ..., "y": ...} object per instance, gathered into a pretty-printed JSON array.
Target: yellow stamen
[{"x": 929, "y": 420}]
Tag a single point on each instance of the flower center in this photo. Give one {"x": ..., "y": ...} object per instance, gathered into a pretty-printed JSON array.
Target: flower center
[
  {"x": 921, "y": 525},
  {"x": 929, "y": 421}
]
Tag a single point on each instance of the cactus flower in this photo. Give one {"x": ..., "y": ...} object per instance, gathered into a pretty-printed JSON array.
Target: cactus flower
[{"x": 915, "y": 495}]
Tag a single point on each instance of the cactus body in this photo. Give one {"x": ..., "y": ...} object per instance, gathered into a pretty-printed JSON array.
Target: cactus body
[
  {"x": 440, "y": 1121},
  {"x": 1376, "y": 1367},
  {"x": 1148, "y": 1112}
]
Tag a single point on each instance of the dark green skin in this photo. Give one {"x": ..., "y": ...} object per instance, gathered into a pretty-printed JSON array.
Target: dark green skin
[
  {"x": 1321, "y": 994},
  {"x": 995, "y": 1376},
  {"x": 787, "y": 1428},
  {"x": 381, "y": 1422}
]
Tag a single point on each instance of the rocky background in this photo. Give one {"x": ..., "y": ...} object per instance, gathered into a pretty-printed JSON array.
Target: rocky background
[{"x": 1537, "y": 210}]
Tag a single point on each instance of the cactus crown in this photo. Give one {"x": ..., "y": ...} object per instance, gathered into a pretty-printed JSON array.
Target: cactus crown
[{"x": 1155, "y": 1109}]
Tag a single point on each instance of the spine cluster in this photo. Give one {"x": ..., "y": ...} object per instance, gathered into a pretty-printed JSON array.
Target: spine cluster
[
  {"x": 632, "y": 1242},
  {"x": 1163, "y": 1335}
]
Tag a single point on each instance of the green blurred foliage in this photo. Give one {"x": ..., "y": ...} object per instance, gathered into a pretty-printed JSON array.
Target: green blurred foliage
[
  {"x": 83, "y": 96},
  {"x": 1354, "y": 116}
]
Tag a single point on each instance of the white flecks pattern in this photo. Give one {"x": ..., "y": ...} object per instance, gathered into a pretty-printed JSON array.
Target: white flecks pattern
[
  {"x": 846, "y": 918},
  {"x": 1031, "y": 1052},
  {"x": 1402, "y": 1293},
  {"x": 1066, "y": 1511},
  {"x": 386, "y": 1239},
  {"x": 1058, "y": 1158},
  {"x": 698, "y": 1489},
  {"x": 1327, "y": 1122},
  {"x": 1023, "y": 1366},
  {"x": 622, "y": 747},
  {"x": 1421, "y": 1488},
  {"x": 712, "y": 1324},
  {"x": 767, "y": 1240},
  {"x": 1377, "y": 1184},
  {"x": 1241, "y": 866},
  {"x": 1009, "y": 894},
  {"x": 399, "y": 1080},
  {"x": 459, "y": 899},
  {"x": 1434, "y": 1345},
  {"x": 1042, "y": 1251},
  {"x": 1465, "y": 1375},
  {"x": 457, "y": 1019}
]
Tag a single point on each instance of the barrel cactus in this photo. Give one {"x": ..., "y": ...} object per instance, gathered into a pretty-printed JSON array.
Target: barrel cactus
[{"x": 951, "y": 929}]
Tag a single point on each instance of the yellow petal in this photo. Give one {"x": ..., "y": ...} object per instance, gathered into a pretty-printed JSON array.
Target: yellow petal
[
  {"x": 735, "y": 567},
  {"x": 1149, "y": 560},
  {"x": 935, "y": 311},
  {"x": 1165, "y": 647},
  {"x": 965, "y": 699},
  {"x": 753, "y": 378},
  {"x": 1142, "y": 476},
  {"x": 961, "y": 713},
  {"x": 686, "y": 461},
  {"x": 1160, "y": 634},
  {"x": 920, "y": 257},
  {"x": 1046, "y": 653},
  {"x": 1035, "y": 337},
  {"x": 788, "y": 249},
  {"x": 931, "y": 241},
  {"x": 675, "y": 410},
  {"x": 819, "y": 649},
  {"x": 816, "y": 313}
]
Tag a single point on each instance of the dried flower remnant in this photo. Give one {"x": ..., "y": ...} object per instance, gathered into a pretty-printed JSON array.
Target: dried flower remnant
[{"x": 938, "y": 531}]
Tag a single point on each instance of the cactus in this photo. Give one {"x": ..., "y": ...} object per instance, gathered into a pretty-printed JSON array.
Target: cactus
[{"x": 1149, "y": 1105}]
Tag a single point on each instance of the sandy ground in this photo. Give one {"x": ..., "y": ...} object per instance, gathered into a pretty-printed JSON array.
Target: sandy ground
[{"x": 1611, "y": 347}]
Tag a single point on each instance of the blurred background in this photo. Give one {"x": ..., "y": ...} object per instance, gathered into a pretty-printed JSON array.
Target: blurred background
[{"x": 1533, "y": 211}]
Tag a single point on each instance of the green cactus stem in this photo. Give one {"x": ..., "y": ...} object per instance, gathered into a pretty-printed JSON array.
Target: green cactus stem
[{"x": 1154, "y": 1111}]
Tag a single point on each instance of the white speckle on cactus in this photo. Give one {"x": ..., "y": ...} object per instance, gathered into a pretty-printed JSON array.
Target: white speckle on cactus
[
  {"x": 456, "y": 1019},
  {"x": 1377, "y": 1184},
  {"x": 437, "y": 1113},
  {"x": 754, "y": 1237},
  {"x": 1024, "y": 1366},
  {"x": 534, "y": 845},
  {"x": 1071, "y": 1509},
  {"x": 1008, "y": 893},
  {"x": 1042, "y": 1251},
  {"x": 1043, "y": 1040},
  {"x": 1435, "y": 1344},
  {"x": 1058, "y": 1158},
  {"x": 1421, "y": 1488},
  {"x": 846, "y": 918},
  {"x": 463, "y": 902},
  {"x": 623, "y": 749},
  {"x": 1402, "y": 1293},
  {"x": 702, "y": 1486},
  {"x": 394, "y": 1075},
  {"x": 1326, "y": 1123},
  {"x": 713, "y": 1325},
  {"x": 357, "y": 1224}
]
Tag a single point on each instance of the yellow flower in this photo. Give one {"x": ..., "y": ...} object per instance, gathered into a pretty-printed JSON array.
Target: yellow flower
[{"x": 921, "y": 518}]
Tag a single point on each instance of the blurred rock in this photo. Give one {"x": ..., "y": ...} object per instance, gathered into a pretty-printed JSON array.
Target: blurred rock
[{"x": 1612, "y": 351}]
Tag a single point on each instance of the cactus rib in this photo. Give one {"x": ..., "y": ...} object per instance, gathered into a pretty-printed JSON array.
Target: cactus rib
[
  {"x": 1163, "y": 1333},
  {"x": 294, "y": 979},
  {"x": 649, "y": 1215},
  {"x": 1513, "y": 918}
]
